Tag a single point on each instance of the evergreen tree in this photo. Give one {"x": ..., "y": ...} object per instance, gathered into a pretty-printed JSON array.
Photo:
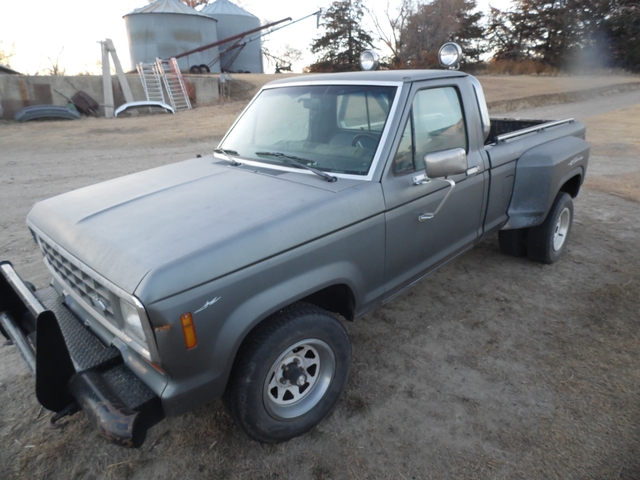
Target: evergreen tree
[
  {"x": 556, "y": 32},
  {"x": 470, "y": 34},
  {"x": 509, "y": 36},
  {"x": 340, "y": 47},
  {"x": 623, "y": 29}
]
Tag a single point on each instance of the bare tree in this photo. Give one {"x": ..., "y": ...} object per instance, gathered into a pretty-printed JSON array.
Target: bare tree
[
  {"x": 204, "y": 3},
  {"x": 6, "y": 52},
  {"x": 435, "y": 23},
  {"x": 390, "y": 28},
  {"x": 290, "y": 54},
  {"x": 283, "y": 57},
  {"x": 55, "y": 68},
  {"x": 194, "y": 3}
]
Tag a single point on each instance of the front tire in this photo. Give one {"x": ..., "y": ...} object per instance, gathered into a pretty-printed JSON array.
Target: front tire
[
  {"x": 547, "y": 242},
  {"x": 289, "y": 373}
]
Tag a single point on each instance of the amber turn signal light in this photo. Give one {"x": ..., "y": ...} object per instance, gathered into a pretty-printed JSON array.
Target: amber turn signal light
[{"x": 189, "y": 330}]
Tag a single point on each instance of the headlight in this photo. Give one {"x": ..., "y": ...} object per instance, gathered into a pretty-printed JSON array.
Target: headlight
[
  {"x": 450, "y": 55},
  {"x": 369, "y": 60},
  {"x": 132, "y": 322}
]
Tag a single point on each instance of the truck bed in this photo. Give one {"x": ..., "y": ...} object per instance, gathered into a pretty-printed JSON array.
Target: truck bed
[{"x": 500, "y": 126}]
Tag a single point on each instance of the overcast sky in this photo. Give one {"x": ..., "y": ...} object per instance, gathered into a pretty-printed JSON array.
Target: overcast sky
[{"x": 69, "y": 29}]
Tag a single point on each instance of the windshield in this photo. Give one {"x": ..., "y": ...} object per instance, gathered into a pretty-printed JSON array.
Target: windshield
[{"x": 333, "y": 128}]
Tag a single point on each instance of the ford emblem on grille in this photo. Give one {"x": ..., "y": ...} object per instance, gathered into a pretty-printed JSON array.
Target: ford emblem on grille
[{"x": 98, "y": 303}]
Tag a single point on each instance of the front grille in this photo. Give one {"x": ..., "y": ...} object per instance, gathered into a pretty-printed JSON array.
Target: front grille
[{"x": 89, "y": 289}]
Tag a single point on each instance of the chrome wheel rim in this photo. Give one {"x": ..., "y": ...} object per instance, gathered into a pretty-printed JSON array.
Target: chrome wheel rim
[
  {"x": 561, "y": 230},
  {"x": 284, "y": 398}
]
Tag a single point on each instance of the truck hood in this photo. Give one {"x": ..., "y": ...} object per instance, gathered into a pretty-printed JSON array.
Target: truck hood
[{"x": 191, "y": 222}]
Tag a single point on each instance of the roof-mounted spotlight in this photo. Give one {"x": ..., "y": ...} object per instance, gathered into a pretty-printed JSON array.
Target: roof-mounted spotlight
[
  {"x": 369, "y": 60},
  {"x": 450, "y": 56}
]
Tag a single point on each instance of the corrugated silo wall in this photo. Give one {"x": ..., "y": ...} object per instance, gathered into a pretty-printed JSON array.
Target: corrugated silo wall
[
  {"x": 165, "y": 35},
  {"x": 250, "y": 57}
]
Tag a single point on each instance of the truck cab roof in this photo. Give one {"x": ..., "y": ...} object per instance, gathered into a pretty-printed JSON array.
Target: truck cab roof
[{"x": 400, "y": 76}]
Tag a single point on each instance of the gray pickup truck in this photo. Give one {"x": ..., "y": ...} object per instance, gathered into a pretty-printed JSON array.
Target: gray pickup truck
[{"x": 228, "y": 276}]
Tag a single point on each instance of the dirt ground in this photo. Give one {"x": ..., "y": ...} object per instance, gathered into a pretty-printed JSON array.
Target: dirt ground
[{"x": 491, "y": 368}]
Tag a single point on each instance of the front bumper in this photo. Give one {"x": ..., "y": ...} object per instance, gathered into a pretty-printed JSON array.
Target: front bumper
[{"x": 72, "y": 366}]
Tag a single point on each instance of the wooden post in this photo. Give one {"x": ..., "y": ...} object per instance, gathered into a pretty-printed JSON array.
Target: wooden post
[
  {"x": 124, "y": 84},
  {"x": 106, "y": 82}
]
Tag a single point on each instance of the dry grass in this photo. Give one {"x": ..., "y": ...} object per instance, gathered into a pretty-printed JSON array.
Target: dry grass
[
  {"x": 626, "y": 186},
  {"x": 505, "y": 87},
  {"x": 496, "y": 86},
  {"x": 203, "y": 124},
  {"x": 593, "y": 367},
  {"x": 526, "y": 67},
  {"x": 616, "y": 132}
]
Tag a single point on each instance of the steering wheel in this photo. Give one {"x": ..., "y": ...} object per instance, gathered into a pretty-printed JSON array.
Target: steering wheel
[{"x": 365, "y": 140}]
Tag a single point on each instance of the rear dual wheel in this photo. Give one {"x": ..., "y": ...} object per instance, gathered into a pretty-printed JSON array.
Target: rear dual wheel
[
  {"x": 546, "y": 242},
  {"x": 513, "y": 242},
  {"x": 289, "y": 373}
]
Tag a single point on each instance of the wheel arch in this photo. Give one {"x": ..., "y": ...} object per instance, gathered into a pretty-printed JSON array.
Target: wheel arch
[
  {"x": 541, "y": 173},
  {"x": 337, "y": 296},
  {"x": 334, "y": 298},
  {"x": 573, "y": 184}
]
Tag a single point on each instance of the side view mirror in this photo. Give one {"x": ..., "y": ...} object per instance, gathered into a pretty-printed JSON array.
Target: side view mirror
[{"x": 446, "y": 163}]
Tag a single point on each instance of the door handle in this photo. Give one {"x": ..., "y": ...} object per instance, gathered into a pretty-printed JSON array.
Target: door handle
[
  {"x": 472, "y": 171},
  {"x": 427, "y": 216}
]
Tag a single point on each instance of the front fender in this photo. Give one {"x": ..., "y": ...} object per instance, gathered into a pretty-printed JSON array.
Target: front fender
[
  {"x": 227, "y": 309},
  {"x": 540, "y": 174},
  {"x": 279, "y": 295}
]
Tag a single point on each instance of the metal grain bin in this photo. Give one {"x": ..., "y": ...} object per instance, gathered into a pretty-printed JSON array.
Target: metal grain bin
[
  {"x": 233, "y": 20},
  {"x": 166, "y": 28}
]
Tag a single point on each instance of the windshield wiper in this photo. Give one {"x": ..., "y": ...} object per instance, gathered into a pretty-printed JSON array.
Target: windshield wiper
[
  {"x": 226, "y": 154},
  {"x": 293, "y": 160}
]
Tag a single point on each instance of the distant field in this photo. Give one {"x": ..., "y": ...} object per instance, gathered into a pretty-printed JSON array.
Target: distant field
[{"x": 496, "y": 87}]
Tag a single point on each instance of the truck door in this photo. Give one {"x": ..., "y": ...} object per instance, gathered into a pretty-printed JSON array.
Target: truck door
[{"x": 434, "y": 121}]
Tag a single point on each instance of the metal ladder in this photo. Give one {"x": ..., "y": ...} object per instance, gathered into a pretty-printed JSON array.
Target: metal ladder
[
  {"x": 151, "y": 82},
  {"x": 174, "y": 83}
]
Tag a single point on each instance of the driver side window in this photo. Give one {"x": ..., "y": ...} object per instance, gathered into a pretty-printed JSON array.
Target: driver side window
[{"x": 435, "y": 123}]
